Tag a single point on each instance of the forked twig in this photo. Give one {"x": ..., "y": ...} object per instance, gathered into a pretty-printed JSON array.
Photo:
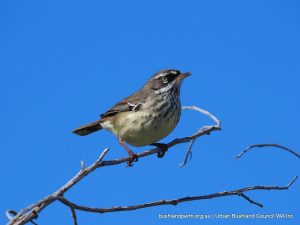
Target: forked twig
[
  {"x": 208, "y": 129},
  {"x": 238, "y": 192}
]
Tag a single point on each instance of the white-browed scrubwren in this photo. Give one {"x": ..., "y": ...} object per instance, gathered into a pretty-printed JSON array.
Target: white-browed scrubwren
[{"x": 146, "y": 116}]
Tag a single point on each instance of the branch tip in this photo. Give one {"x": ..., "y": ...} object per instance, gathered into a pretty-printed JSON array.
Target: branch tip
[
  {"x": 10, "y": 214},
  {"x": 188, "y": 154},
  {"x": 102, "y": 155},
  {"x": 205, "y": 130},
  {"x": 267, "y": 145},
  {"x": 250, "y": 200},
  {"x": 82, "y": 165},
  {"x": 292, "y": 182},
  {"x": 74, "y": 217}
]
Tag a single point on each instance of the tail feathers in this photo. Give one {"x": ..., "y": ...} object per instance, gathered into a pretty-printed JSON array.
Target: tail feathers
[{"x": 88, "y": 128}]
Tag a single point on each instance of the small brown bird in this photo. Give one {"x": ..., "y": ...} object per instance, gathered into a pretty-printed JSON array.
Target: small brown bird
[{"x": 146, "y": 116}]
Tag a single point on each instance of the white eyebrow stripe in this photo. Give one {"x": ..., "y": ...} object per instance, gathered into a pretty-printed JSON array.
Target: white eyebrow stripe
[
  {"x": 166, "y": 73},
  {"x": 160, "y": 75}
]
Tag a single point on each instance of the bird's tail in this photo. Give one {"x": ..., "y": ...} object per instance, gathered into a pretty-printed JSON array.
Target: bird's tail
[{"x": 88, "y": 128}]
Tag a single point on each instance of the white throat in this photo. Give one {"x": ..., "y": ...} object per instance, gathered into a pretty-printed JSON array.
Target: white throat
[{"x": 165, "y": 89}]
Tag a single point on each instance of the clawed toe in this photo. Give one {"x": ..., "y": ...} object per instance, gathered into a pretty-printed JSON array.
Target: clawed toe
[
  {"x": 161, "y": 154},
  {"x": 163, "y": 148},
  {"x": 133, "y": 158}
]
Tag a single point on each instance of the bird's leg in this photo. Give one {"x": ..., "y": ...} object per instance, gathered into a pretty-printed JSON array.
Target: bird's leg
[
  {"x": 162, "y": 149},
  {"x": 133, "y": 156}
]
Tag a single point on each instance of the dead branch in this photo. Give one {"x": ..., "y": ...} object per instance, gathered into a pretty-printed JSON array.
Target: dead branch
[
  {"x": 31, "y": 212},
  {"x": 267, "y": 145},
  {"x": 238, "y": 192}
]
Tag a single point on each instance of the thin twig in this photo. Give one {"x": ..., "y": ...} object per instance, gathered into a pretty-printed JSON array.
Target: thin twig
[
  {"x": 10, "y": 214},
  {"x": 102, "y": 155},
  {"x": 267, "y": 145},
  {"x": 74, "y": 215},
  {"x": 251, "y": 201},
  {"x": 203, "y": 111},
  {"x": 204, "y": 128},
  {"x": 82, "y": 165},
  {"x": 188, "y": 153},
  {"x": 238, "y": 192}
]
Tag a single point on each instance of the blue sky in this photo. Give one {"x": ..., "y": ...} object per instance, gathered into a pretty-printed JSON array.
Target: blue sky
[{"x": 62, "y": 63}]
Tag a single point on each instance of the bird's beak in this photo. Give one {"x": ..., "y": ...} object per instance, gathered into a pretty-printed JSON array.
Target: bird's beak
[{"x": 182, "y": 76}]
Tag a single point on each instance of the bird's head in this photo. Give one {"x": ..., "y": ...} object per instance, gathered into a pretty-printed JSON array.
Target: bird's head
[{"x": 165, "y": 80}]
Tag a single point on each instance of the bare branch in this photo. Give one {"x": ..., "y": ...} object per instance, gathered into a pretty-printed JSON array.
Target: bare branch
[
  {"x": 205, "y": 128},
  {"x": 238, "y": 192},
  {"x": 11, "y": 213},
  {"x": 267, "y": 145},
  {"x": 31, "y": 212}
]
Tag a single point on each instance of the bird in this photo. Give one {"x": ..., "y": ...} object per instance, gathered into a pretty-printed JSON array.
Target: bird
[{"x": 146, "y": 116}]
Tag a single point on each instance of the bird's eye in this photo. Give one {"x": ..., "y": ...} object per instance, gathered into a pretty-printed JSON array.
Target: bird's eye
[{"x": 164, "y": 80}]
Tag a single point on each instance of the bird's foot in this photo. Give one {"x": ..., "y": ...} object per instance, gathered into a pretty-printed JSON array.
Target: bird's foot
[
  {"x": 133, "y": 158},
  {"x": 163, "y": 148}
]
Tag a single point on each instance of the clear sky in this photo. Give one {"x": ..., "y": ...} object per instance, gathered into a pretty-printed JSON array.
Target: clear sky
[{"x": 62, "y": 63}]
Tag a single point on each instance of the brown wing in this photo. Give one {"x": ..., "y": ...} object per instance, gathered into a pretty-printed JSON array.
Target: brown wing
[{"x": 130, "y": 103}]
